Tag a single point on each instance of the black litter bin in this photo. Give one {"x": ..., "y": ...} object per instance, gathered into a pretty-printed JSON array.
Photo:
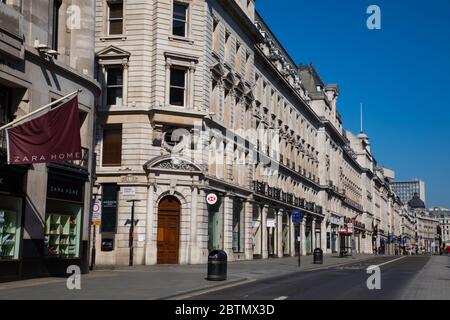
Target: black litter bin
[
  {"x": 318, "y": 256},
  {"x": 217, "y": 266}
]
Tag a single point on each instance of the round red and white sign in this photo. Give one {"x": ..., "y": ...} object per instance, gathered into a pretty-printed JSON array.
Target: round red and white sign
[
  {"x": 211, "y": 199},
  {"x": 96, "y": 207}
]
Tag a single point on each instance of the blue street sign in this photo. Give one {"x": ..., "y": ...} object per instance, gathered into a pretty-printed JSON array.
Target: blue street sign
[{"x": 297, "y": 216}]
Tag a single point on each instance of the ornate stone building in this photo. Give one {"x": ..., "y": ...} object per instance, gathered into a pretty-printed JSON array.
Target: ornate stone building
[{"x": 221, "y": 136}]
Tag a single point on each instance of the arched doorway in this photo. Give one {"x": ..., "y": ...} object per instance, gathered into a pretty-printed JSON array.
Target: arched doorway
[{"x": 168, "y": 242}]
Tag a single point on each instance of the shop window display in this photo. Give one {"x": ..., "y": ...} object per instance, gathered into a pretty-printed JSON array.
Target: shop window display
[
  {"x": 62, "y": 230},
  {"x": 10, "y": 221}
]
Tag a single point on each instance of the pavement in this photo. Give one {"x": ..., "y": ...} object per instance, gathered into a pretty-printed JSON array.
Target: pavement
[
  {"x": 162, "y": 281},
  {"x": 432, "y": 282}
]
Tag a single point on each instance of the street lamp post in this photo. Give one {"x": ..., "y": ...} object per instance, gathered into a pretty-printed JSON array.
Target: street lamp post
[{"x": 131, "y": 235}]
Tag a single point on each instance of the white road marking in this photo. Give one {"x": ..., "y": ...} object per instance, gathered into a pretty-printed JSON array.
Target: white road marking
[
  {"x": 190, "y": 295},
  {"x": 281, "y": 298},
  {"x": 384, "y": 263}
]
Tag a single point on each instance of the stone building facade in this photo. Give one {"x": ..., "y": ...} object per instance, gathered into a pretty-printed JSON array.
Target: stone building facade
[
  {"x": 443, "y": 215},
  {"x": 221, "y": 136},
  {"x": 45, "y": 54}
]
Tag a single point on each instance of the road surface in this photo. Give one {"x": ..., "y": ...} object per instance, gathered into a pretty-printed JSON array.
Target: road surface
[{"x": 336, "y": 283}]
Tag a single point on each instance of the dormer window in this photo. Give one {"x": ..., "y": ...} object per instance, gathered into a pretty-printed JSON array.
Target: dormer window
[{"x": 319, "y": 88}]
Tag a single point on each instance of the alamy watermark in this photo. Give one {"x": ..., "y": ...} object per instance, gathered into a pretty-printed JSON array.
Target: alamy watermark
[
  {"x": 374, "y": 280},
  {"x": 73, "y": 21},
  {"x": 73, "y": 282},
  {"x": 374, "y": 20},
  {"x": 240, "y": 148}
]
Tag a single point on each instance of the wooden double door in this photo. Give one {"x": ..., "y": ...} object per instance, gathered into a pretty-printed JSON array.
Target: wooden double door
[{"x": 168, "y": 243}]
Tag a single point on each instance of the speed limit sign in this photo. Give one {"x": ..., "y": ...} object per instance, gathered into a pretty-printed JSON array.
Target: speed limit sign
[{"x": 211, "y": 199}]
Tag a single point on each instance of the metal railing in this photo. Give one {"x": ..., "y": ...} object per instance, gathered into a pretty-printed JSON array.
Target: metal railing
[{"x": 83, "y": 163}]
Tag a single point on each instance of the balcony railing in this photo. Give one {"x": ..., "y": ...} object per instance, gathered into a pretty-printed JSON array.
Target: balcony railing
[{"x": 82, "y": 164}]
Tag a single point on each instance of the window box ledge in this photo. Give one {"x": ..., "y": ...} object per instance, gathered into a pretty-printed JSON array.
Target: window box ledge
[
  {"x": 114, "y": 37},
  {"x": 181, "y": 39}
]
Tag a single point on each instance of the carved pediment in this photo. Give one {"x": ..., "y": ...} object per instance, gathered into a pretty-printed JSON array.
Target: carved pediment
[
  {"x": 172, "y": 164},
  {"x": 112, "y": 52}
]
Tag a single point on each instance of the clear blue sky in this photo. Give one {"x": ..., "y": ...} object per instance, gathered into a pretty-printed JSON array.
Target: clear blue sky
[{"x": 401, "y": 73}]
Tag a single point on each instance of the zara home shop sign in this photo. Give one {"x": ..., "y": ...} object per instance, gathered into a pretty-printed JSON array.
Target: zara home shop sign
[
  {"x": 52, "y": 137},
  {"x": 58, "y": 188}
]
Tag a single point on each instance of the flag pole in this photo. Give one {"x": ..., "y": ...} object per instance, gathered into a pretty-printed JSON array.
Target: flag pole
[{"x": 6, "y": 126}]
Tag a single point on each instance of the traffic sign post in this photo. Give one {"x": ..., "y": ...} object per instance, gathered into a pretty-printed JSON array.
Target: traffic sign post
[
  {"x": 297, "y": 217},
  {"x": 95, "y": 221},
  {"x": 131, "y": 234}
]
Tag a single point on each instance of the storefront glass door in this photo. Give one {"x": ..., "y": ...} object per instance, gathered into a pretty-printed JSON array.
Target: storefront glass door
[{"x": 308, "y": 237}]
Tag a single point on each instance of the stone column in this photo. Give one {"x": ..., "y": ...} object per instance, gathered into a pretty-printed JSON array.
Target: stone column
[
  {"x": 323, "y": 235},
  {"x": 150, "y": 243},
  {"x": 228, "y": 226},
  {"x": 313, "y": 237},
  {"x": 167, "y": 86},
  {"x": 125, "y": 83},
  {"x": 193, "y": 245},
  {"x": 292, "y": 239},
  {"x": 265, "y": 253},
  {"x": 303, "y": 237},
  {"x": 248, "y": 232},
  {"x": 280, "y": 233},
  {"x": 190, "y": 83}
]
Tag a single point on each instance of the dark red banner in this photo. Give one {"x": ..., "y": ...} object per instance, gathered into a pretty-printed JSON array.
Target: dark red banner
[{"x": 52, "y": 137}]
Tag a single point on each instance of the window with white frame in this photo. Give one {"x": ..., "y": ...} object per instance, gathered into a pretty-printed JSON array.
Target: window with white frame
[
  {"x": 114, "y": 85},
  {"x": 177, "y": 95},
  {"x": 115, "y": 17},
  {"x": 179, "y": 19}
]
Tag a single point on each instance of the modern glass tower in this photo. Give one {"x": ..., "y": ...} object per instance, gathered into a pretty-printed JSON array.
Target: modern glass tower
[{"x": 406, "y": 189}]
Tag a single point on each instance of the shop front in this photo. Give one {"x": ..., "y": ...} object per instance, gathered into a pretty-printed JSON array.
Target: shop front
[
  {"x": 359, "y": 233},
  {"x": 336, "y": 223},
  {"x": 308, "y": 238},
  {"x": 271, "y": 233},
  {"x": 383, "y": 242},
  {"x": 346, "y": 238},
  {"x": 11, "y": 221},
  {"x": 215, "y": 223},
  {"x": 63, "y": 223},
  {"x": 256, "y": 236},
  {"x": 286, "y": 235}
]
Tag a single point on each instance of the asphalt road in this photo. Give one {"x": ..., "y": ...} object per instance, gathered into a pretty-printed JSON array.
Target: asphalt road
[{"x": 336, "y": 283}]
